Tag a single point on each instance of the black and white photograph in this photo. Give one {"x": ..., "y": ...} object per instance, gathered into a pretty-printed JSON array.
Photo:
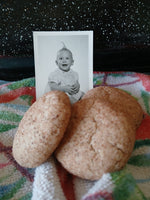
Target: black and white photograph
[{"x": 63, "y": 61}]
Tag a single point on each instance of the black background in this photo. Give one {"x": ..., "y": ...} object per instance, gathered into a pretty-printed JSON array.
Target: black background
[{"x": 121, "y": 32}]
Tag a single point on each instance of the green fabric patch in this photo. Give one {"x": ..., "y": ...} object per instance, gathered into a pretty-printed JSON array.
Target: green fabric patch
[
  {"x": 146, "y": 98},
  {"x": 30, "y": 82},
  {"x": 140, "y": 160},
  {"x": 6, "y": 127},
  {"x": 9, "y": 116},
  {"x": 98, "y": 82},
  {"x": 14, "y": 190},
  {"x": 140, "y": 143},
  {"x": 126, "y": 188},
  {"x": 26, "y": 197},
  {"x": 27, "y": 98}
]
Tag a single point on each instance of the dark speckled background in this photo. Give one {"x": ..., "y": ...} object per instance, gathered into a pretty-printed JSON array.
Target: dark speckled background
[
  {"x": 116, "y": 24},
  {"x": 119, "y": 26}
]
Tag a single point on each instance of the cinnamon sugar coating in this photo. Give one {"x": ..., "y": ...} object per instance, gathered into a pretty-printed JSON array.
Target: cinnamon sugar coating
[
  {"x": 101, "y": 133},
  {"x": 41, "y": 129}
]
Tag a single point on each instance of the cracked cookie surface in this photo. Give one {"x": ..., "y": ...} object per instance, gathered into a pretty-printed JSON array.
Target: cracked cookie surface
[
  {"x": 120, "y": 99},
  {"x": 99, "y": 139}
]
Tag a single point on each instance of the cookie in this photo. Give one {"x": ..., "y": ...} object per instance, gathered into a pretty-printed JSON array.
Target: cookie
[
  {"x": 120, "y": 99},
  {"x": 41, "y": 129},
  {"x": 99, "y": 139}
]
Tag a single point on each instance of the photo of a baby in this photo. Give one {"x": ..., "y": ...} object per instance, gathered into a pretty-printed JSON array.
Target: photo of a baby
[
  {"x": 64, "y": 61},
  {"x": 64, "y": 78}
]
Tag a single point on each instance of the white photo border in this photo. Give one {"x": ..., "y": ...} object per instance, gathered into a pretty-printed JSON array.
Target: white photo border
[{"x": 41, "y": 38}]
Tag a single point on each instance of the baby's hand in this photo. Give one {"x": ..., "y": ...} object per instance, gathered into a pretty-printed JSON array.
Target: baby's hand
[
  {"x": 69, "y": 89},
  {"x": 76, "y": 87},
  {"x": 72, "y": 89}
]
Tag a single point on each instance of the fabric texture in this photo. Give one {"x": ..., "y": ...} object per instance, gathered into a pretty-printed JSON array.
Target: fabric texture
[{"x": 50, "y": 180}]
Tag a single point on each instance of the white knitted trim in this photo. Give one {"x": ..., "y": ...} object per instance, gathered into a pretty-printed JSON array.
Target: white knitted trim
[
  {"x": 104, "y": 184},
  {"x": 46, "y": 184}
]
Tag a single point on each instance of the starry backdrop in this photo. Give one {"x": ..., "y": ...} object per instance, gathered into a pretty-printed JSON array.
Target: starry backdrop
[{"x": 116, "y": 24}]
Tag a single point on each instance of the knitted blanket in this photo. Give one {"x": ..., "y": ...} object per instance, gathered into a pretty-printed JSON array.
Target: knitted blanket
[{"x": 50, "y": 181}]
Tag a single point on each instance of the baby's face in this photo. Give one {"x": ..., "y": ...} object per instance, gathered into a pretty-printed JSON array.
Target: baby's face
[{"x": 64, "y": 60}]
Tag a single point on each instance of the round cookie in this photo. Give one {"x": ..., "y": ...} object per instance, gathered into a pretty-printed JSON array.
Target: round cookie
[
  {"x": 41, "y": 129},
  {"x": 99, "y": 139},
  {"x": 120, "y": 99}
]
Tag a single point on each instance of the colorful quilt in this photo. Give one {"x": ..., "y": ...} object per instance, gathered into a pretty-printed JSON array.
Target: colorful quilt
[{"x": 50, "y": 181}]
